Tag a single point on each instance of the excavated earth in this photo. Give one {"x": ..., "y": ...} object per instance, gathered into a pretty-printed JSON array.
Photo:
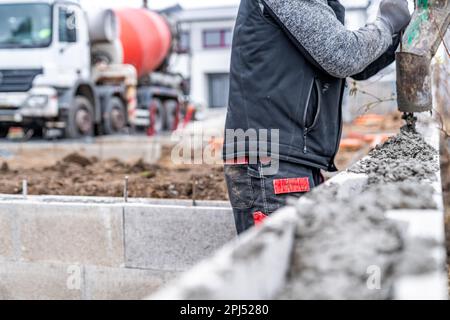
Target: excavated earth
[
  {"x": 342, "y": 240},
  {"x": 80, "y": 175},
  {"x": 77, "y": 175}
]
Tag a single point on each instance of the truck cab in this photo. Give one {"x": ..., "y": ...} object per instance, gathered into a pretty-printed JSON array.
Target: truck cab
[
  {"x": 44, "y": 57},
  {"x": 60, "y": 70}
]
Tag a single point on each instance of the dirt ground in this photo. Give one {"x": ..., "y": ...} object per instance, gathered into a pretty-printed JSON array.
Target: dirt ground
[
  {"x": 83, "y": 176},
  {"x": 78, "y": 175},
  {"x": 87, "y": 176}
]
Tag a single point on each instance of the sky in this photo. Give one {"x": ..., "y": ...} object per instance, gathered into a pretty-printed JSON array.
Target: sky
[{"x": 158, "y": 4}]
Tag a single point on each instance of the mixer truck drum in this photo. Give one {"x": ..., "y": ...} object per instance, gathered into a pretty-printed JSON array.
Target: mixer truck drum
[
  {"x": 103, "y": 26},
  {"x": 146, "y": 39}
]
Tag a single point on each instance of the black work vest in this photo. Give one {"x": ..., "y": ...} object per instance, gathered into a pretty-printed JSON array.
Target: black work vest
[{"x": 274, "y": 86}]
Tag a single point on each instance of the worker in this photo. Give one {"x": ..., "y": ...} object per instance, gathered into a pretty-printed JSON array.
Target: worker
[{"x": 290, "y": 59}]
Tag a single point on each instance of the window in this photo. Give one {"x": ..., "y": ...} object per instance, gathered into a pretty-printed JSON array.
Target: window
[
  {"x": 67, "y": 25},
  {"x": 220, "y": 38},
  {"x": 25, "y": 25},
  {"x": 219, "y": 87},
  {"x": 184, "y": 42}
]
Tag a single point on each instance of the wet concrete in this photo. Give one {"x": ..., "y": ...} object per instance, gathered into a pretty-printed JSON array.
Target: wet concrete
[
  {"x": 347, "y": 239},
  {"x": 404, "y": 157},
  {"x": 344, "y": 243}
]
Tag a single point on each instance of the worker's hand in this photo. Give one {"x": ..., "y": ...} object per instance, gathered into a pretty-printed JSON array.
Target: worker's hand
[{"x": 395, "y": 14}]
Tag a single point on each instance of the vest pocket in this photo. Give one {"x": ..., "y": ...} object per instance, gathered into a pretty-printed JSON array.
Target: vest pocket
[{"x": 312, "y": 111}]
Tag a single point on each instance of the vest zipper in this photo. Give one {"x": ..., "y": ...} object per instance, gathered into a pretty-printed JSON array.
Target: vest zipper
[
  {"x": 305, "y": 136},
  {"x": 305, "y": 113},
  {"x": 316, "y": 117},
  {"x": 332, "y": 163}
]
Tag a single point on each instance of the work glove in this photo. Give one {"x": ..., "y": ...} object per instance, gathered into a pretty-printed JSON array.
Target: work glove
[{"x": 395, "y": 14}]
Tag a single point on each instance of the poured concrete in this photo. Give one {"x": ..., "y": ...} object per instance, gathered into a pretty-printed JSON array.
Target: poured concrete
[
  {"x": 357, "y": 237},
  {"x": 404, "y": 157}
]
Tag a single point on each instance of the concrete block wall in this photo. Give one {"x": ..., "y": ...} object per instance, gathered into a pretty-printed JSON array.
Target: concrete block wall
[
  {"x": 103, "y": 248},
  {"x": 50, "y": 281},
  {"x": 168, "y": 239},
  {"x": 252, "y": 267}
]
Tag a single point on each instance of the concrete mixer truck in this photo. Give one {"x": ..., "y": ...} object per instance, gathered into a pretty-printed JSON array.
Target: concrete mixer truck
[{"x": 83, "y": 73}]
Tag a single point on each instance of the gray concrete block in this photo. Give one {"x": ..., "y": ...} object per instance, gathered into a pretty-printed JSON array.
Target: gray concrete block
[
  {"x": 123, "y": 284},
  {"x": 253, "y": 267},
  {"x": 113, "y": 200},
  {"x": 32, "y": 281},
  {"x": 6, "y": 236},
  {"x": 75, "y": 234},
  {"x": 174, "y": 238}
]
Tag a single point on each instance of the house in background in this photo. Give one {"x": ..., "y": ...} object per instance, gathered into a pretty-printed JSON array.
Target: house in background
[
  {"x": 356, "y": 14},
  {"x": 382, "y": 86},
  {"x": 204, "y": 47},
  {"x": 205, "y": 51}
]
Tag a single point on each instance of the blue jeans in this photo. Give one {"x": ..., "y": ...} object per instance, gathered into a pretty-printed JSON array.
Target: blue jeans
[{"x": 252, "y": 191}]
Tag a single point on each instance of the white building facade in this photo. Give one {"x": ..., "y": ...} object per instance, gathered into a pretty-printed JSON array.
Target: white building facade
[
  {"x": 205, "y": 52},
  {"x": 205, "y": 43}
]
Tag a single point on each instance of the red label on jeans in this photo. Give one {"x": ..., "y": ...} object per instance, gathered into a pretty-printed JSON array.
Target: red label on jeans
[
  {"x": 295, "y": 185},
  {"x": 259, "y": 218}
]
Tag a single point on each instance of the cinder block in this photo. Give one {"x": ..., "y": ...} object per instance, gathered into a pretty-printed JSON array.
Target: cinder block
[
  {"x": 32, "y": 281},
  {"x": 6, "y": 236},
  {"x": 253, "y": 267},
  {"x": 71, "y": 233},
  {"x": 123, "y": 284},
  {"x": 174, "y": 238}
]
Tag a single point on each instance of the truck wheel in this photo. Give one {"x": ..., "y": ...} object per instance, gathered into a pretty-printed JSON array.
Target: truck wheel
[
  {"x": 80, "y": 122},
  {"x": 4, "y": 132},
  {"x": 157, "y": 116},
  {"x": 115, "y": 117},
  {"x": 171, "y": 115}
]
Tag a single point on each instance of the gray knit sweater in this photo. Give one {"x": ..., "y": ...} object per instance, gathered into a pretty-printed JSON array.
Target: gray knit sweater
[{"x": 338, "y": 51}]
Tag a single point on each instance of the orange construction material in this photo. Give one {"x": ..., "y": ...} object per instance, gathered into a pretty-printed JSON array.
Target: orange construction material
[
  {"x": 350, "y": 144},
  {"x": 146, "y": 38},
  {"x": 369, "y": 120}
]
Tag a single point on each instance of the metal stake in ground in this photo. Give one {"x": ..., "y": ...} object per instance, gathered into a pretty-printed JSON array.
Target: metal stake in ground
[
  {"x": 125, "y": 190},
  {"x": 25, "y": 188},
  {"x": 194, "y": 192}
]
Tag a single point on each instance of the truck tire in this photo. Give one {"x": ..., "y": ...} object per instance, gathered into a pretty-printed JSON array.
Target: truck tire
[
  {"x": 157, "y": 116},
  {"x": 171, "y": 116},
  {"x": 80, "y": 120},
  {"x": 115, "y": 116},
  {"x": 4, "y": 131}
]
